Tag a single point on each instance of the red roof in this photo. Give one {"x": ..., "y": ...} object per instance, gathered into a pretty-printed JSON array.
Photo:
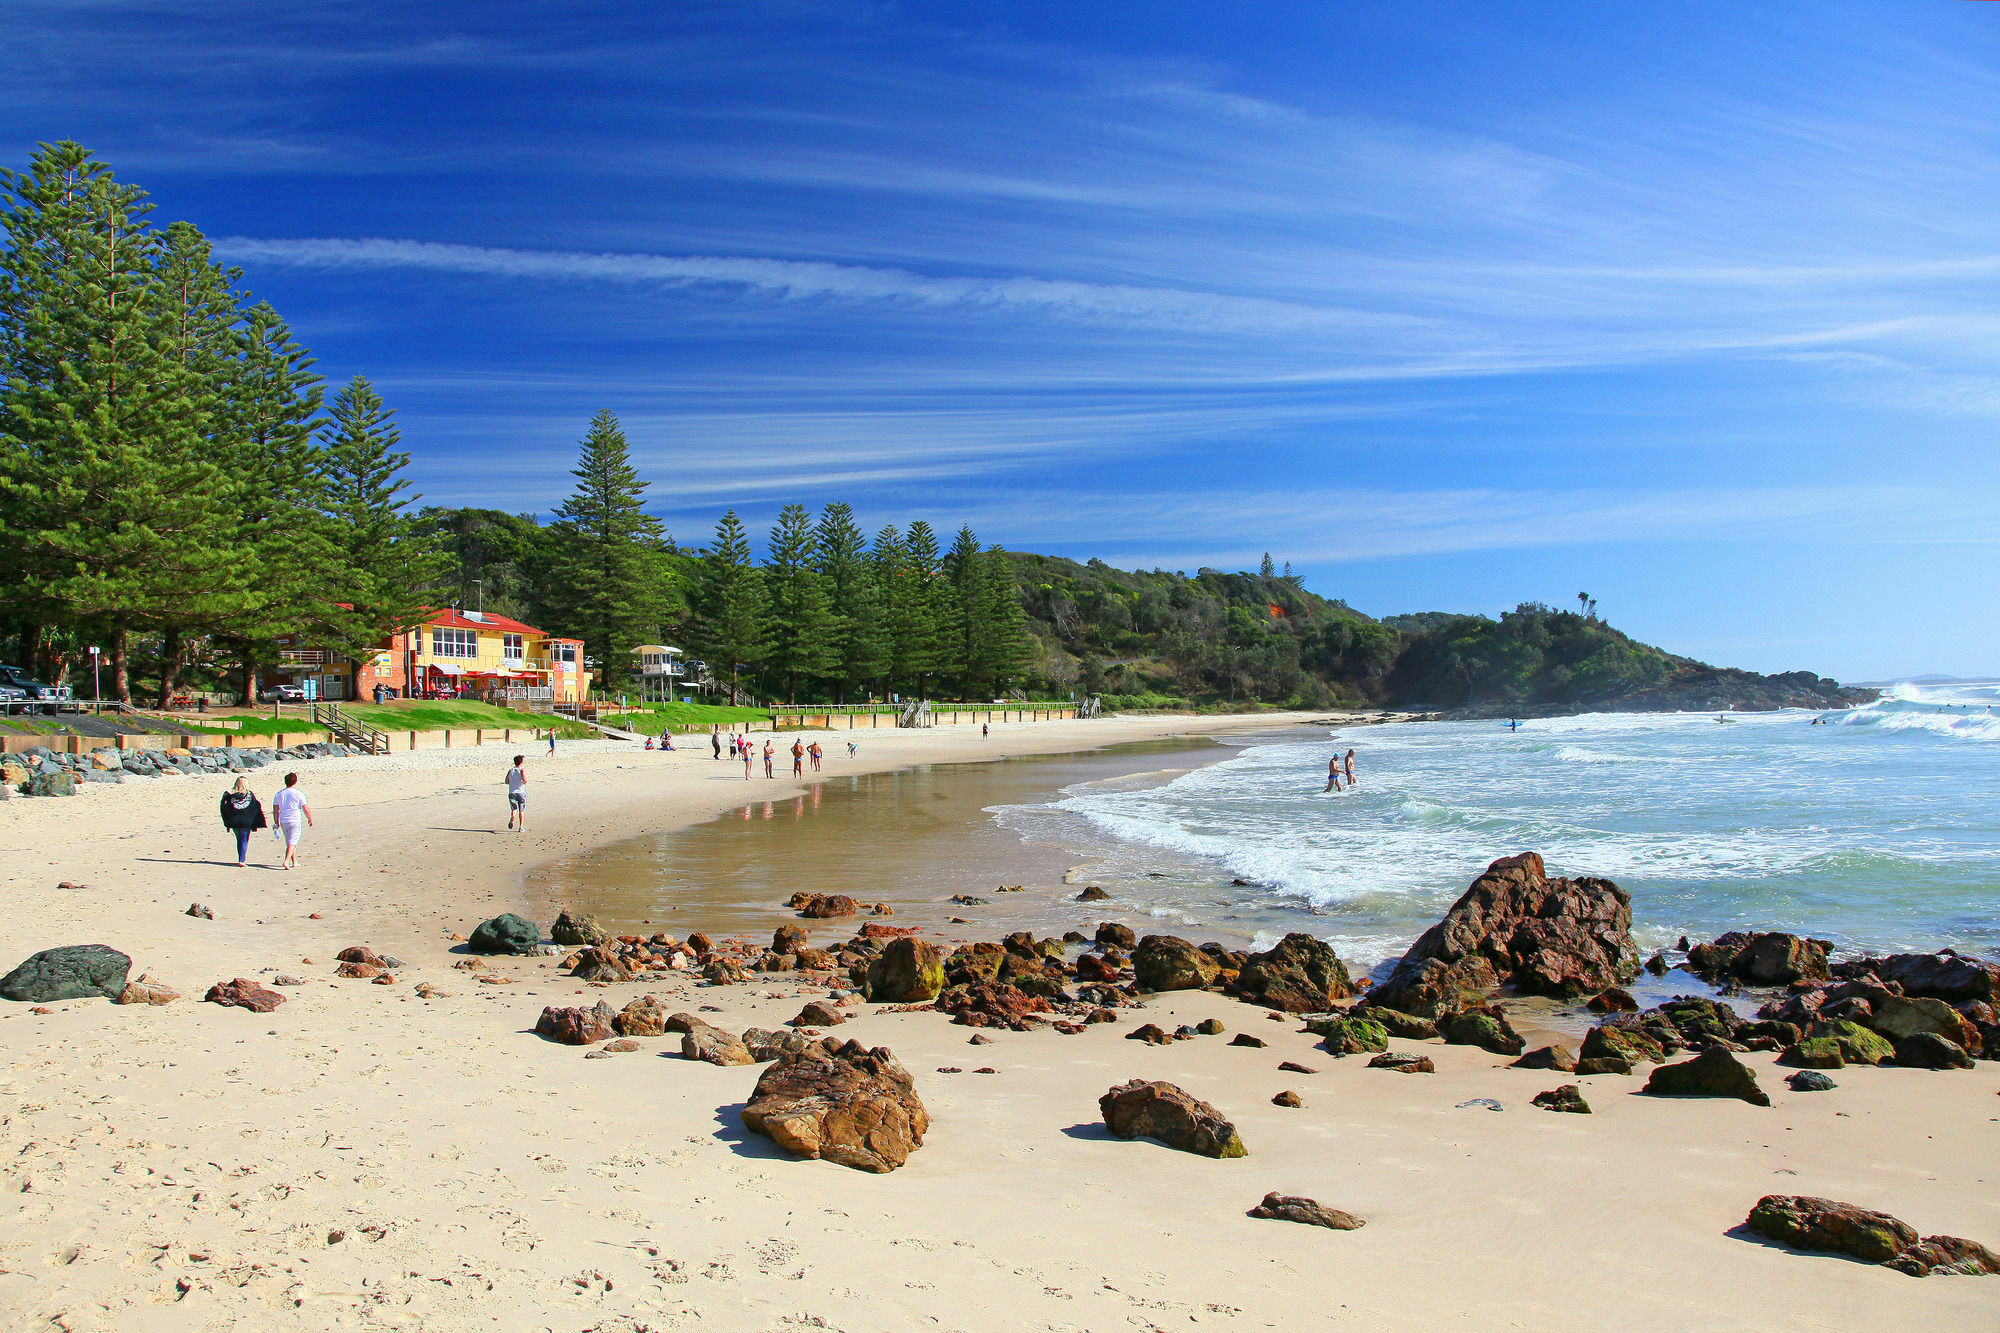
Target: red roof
[{"x": 454, "y": 619}]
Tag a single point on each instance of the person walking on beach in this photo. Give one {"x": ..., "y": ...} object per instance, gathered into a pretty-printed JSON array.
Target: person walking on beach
[
  {"x": 798, "y": 759},
  {"x": 242, "y": 814},
  {"x": 1332, "y": 775},
  {"x": 552, "y": 740},
  {"x": 1348, "y": 764},
  {"x": 294, "y": 816},
  {"x": 743, "y": 750},
  {"x": 517, "y": 794},
  {"x": 770, "y": 753},
  {"x": 983, "y": 729},
  {"x": 814, "y": 751},
  {"x": 715, "y": 743}
]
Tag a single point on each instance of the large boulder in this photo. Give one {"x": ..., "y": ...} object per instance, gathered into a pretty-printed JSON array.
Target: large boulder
[
  {"x": 1515, "y": 926},
  {"x": 842, "y": 1103},
  {"x": 574, "y": 929},
  {"x": 767, "y": 1044},
  {"x": 989, "y": 1004},
  {"x": 1764, "y": 958},
  {"x": 1148, "y": 1109},
  {"x": 1927, "y": 1050},
  {"x": 909, "y": 971},
  {"x": 1713, "y": 1073},
  {"x": 1485, "y": 1028},
  {"x": 71, "y": 972},
  {"x": 61, "y": 782},
  {"x": 642, "y": 1018},
  {"x": 1835, "y": 1043},
  {"x": 823, "y": 906},
  {"x": 1349, "y": 1034},
  {"x": 1942, "y": 976},
  {"x": 1609, "y": 1041},
  {"x": 1808, "y": 1223},
  {"x": 1300, "y": 975},
  {"x": 1168, "y": 962},
  {"x": 1900, "y": 1016},
  {"x": 506, "y": 934}
]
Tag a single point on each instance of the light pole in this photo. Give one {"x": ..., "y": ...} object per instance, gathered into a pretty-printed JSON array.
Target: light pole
[{"x": 96, "y": 690}]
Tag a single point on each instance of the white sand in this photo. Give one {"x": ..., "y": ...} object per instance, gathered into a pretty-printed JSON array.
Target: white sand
[{"x": 186, "y": 1167}]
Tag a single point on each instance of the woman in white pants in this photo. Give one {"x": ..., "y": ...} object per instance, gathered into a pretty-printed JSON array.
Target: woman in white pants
[{"x": 293, "y": 817}]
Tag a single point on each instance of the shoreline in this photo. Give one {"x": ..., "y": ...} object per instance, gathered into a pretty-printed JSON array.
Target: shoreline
[{"x": 365, "y": 1157}]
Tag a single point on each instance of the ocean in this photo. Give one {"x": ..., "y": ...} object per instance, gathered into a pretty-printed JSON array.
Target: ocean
[{"x": 1878, "y": 829}]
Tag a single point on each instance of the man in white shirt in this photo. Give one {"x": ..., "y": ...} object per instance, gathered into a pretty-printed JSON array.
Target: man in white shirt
[
  {"x": 517, "y": 795},
  {"x": 293, "y": 815}
]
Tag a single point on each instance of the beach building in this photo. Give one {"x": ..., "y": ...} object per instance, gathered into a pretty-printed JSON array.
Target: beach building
[
  {"x": 660, "y": 671},
  {"x": 453, "y": 654}
]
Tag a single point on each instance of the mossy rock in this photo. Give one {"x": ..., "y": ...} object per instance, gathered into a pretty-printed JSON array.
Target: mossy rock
[
  {"x": 1349, "y": 1035},
  {"x": 1402, "y": 1026},
  {"x": 1858, "y": 1046},
  {"x": 506, "y": 934},
  {"x": 1486, "y": 1030},
  {"x": 1630, "y": 1045}
]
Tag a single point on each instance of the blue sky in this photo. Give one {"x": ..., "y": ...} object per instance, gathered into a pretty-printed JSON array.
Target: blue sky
[{"x": 1451, "y": 305}]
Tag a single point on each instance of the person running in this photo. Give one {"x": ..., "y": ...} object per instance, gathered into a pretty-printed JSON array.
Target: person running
[
  {"x": 743, "y": 750},
  {"x": 798, "y": 759},
  {"x": 715, "y": 743},
  {"x": 770, "y": 753},
  {"x": 294, "y": 817},
  {"x": 815, "y": 752},
  {"x": 517, "y": 794},
  {"x": 1332, "y": 775},
  {"x": 242, "y": 814},
  {"x": 1348, "y": 764}
]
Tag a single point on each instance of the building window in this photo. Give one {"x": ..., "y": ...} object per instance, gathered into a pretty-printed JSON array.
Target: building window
[
  {"x": 566, "y": 652},
  {"x": 454, "y": 643},
  {"x": 512, "y": 648}
]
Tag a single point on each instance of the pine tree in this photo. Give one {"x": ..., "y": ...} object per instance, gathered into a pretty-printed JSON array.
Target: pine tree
[
  {"x": 387, "y": 558},
  {"x": 897, "y": 597},
  {"x": 1004, "y": 642},
  {"x": 962, "y": 625},
  {"x": 927, "y": 648},
  {"x": 113, "y": 512},
  {"x": 607, "y": 580},
  {"x": 731, "y": 603},
  {"x": 268, "y": 400},
  {"x": 802, "y": 622},
  {"x": 857, "y": 602},
  {"x": 1267, "y": 569}
]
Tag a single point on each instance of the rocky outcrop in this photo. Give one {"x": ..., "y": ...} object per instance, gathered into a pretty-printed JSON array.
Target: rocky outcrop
[
  {"x": 817, "y": 1014},
  {"x": 988, "y": 1004},
  {"x": 1836, "y": 1043},
  {"x": 1771, "y": 958},
  {"x": 842, "y": 1103},
  {"x": 1112, "y": 935},
  {"x": 1713, "y": 1073},
  {"x": 642, "y": 1018},
  {"x": 577, "y": 929},
  {"x": 599, "y": 964},
  {"x": 767, "y": 1044},
  {"x": 1300, "y": 975},
  {"x": 1149, "y": 1109},
  {"x": 1167, "y": 962},
  {"x": 1808, "y": 1223},
  {"x": 506, "y": 934},
  {"x": 1296, "y": 1208},
  {"x": 244, "y": 993},
  {"x": 575, "y": 1027},
  {"x": 1944, "y": 975},
  {"x": 909, "y": 971},
  {"x": 1515, "y": 926},
  {"x": 70, "y": 972}
]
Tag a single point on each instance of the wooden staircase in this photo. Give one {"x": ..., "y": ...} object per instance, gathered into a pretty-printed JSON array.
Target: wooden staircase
[{"x": 349, "y": 730}]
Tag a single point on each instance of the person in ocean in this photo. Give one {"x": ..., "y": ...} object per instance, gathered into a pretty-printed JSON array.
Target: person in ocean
[
  {"x": 1332, "y": 775},
  {"x": 1347, "y": 763}
]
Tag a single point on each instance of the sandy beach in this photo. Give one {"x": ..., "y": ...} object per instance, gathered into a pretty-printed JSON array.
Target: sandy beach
[{"x": 365, "y": 1158}]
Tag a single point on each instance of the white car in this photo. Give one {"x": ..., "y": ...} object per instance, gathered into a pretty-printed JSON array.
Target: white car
[{"x": 284, "y": 694}]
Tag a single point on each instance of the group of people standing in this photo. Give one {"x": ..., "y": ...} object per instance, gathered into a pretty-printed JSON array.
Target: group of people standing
[
  {"x": 1335, "y": 767},
  {"x": 742, "y": 747},
  {"x": 243, "y": 814}
]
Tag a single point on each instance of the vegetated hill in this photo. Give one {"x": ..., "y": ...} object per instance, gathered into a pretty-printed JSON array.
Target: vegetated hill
[{"x": 1163, "y": 639}]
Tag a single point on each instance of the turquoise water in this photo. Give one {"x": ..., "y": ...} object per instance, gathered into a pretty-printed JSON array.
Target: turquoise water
[{"x": 1879, "y": 829}]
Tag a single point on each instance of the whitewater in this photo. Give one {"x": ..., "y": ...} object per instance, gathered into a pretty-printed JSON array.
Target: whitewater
[{"x": 1876, "y": 827}]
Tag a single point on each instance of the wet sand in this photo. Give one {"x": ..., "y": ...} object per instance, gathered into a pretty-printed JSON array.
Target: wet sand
[{"x": 912, "y": 839}]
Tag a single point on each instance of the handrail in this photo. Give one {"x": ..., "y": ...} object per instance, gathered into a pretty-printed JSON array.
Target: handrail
[{"x": 349, "y": 729}]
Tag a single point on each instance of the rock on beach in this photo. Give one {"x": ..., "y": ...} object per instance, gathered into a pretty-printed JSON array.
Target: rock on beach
[
  {"x": 69, "y": 972},
  {"x": 1150, "y": 1109},
  {"x": 842, "y": 1103}
]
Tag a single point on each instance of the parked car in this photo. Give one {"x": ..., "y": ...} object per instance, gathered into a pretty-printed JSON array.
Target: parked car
[
  {"x": 284, "y": 694},
  {"x": 22, "y": 693}
]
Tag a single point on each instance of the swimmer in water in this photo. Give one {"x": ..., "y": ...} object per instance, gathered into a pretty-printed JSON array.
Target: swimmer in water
[
  {"x": 1332, "y": 775},
  {"x": 1348, "y": 764}
]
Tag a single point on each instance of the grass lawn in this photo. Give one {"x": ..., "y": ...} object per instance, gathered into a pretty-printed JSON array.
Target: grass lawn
[
  {"x": 682, "y": 717},
  {"x": 415, "y": 715}
]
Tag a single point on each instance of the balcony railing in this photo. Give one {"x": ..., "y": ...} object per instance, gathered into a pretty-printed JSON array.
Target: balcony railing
[
  {"x": 662, "y": 669},
  {"x": 306, "y": 657}
]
